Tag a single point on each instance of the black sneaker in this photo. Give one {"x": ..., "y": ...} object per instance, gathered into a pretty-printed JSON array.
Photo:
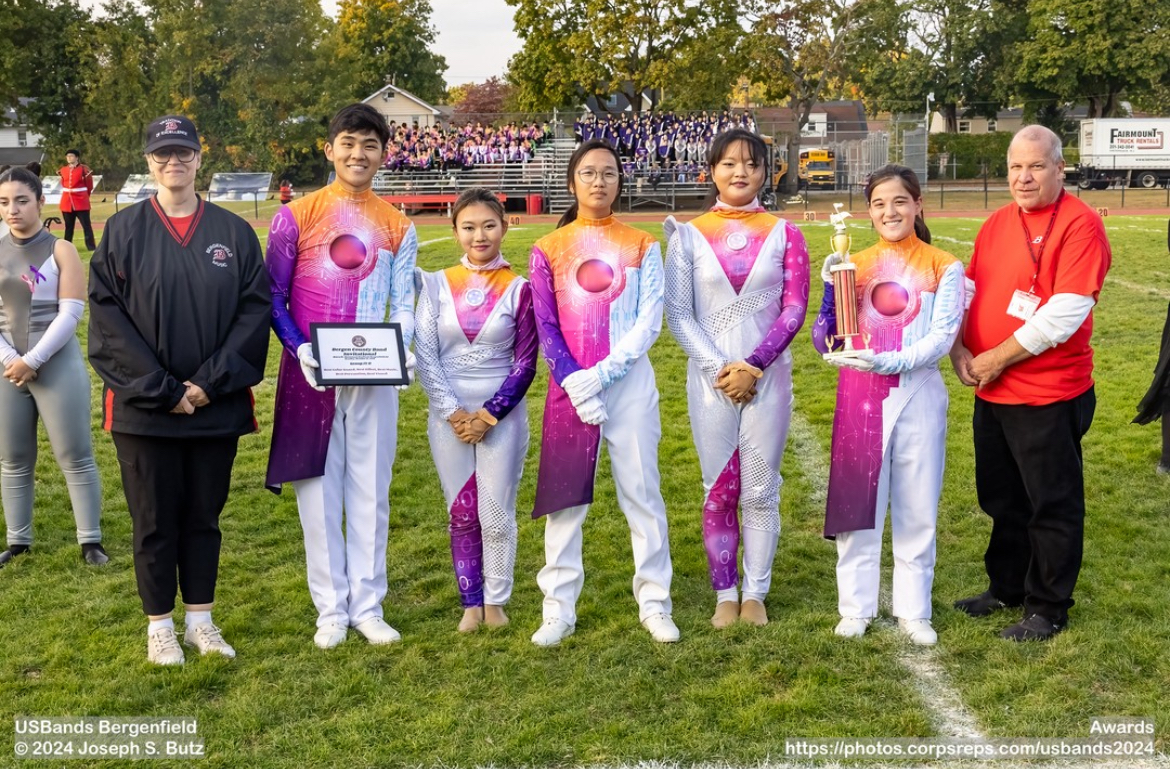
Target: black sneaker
[
  {"x": 12, "y": 552},
  {"x": 1032, "y": 628},
  {"x": 94, "y": 554},
  {"x": 982, "y": 605}
]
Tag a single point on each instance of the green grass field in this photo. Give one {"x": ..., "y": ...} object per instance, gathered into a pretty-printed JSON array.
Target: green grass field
[{"x": 72, "y": 638}]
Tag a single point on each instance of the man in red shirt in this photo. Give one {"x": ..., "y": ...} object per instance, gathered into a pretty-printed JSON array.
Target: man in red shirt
[
  {"x": 76, "y": 185},
  {"x": 1038, "y": 267}
]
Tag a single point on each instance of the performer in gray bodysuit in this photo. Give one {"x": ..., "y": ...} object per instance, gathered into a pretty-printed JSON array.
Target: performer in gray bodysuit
[{"x": 41, "y": 285}]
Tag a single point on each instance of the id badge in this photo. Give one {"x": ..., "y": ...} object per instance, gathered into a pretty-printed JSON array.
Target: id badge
[{"x": 1023, "y": 305}]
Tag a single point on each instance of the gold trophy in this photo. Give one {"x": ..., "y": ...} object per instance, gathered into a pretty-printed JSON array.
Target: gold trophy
[{"x": 844, "y": 287}]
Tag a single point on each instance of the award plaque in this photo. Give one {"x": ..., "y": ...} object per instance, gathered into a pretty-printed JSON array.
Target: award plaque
[
  {"x": 844, "y": 287},
  {"x": 359, "y": 353}
]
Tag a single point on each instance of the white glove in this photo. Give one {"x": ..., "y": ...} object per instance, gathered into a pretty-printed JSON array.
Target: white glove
[
  {"x": 410, "y": 361},
  {"x": 860, "y": 361},
  {"x": 592, "y": 411},
  {"x": 830, "y": 260},
  {"x": 309, "y": 366},
  {"x": 582, "y": 385}
]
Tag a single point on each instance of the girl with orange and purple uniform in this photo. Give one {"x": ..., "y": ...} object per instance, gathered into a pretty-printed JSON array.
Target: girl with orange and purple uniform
[
  {"x": 736, "y": 295},
  {"x": 890, "y": 427},
  {"x": 597, "y": 292},
  {"x": 475, "y": 340}
]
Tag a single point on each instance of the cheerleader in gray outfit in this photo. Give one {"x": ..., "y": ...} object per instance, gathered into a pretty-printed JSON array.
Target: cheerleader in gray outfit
[{"x": 42, "y": 297}]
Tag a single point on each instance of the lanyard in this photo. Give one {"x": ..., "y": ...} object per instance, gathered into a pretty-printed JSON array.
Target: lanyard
[{"x": 1043, "y": 243}]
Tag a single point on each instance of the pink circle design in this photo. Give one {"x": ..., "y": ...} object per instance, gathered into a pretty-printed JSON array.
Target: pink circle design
[
  {"x": 347, "y": 251},
  {"x": 595, "y": 276},
  {"x": 890, "y": 299}
]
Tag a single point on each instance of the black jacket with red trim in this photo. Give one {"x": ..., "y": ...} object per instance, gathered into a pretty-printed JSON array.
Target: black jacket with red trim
[{"x": 166, "y": 309}]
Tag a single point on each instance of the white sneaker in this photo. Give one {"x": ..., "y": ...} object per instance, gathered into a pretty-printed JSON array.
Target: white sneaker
[
  {"x": 330, "y": 635},
  {"x": 377, "y": 632},
  {"x": 919, "y": 631},
  {"x": 162, "y": 647},
  {"x": 662, "y": 628},
  {"x": 552, "y": 632},
  {"x": 852, "y": 627},
  {"x": 208, "y": 640}
]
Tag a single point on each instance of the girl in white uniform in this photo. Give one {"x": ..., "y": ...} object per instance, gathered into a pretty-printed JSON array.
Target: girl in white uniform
[
  {"x": 910, "y": 305},
  {"x": 736, "y": 295},
  {"x": 597, "y": 293},
  {"x": 475, "y": 341}
]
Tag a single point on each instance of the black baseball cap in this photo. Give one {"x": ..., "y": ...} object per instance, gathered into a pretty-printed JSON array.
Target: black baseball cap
[{"x": 172, "y": 131}]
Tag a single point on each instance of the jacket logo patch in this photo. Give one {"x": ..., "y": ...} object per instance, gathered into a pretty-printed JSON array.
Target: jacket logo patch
[{"x": 220, "y": 254}]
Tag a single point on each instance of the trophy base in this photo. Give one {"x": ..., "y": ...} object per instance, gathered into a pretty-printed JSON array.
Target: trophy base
[{"x": 839, "y": 354}]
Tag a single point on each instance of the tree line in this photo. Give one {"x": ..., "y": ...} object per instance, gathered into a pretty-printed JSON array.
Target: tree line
[{"x": 260, "y": 78}]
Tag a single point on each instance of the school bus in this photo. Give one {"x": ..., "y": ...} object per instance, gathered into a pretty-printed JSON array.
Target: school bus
[{"x": 818, "y": 169}]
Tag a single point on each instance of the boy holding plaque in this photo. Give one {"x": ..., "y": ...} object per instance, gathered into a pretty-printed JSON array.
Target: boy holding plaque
[
  {"x": 340, "y": 255},
  {"x": 890, "y": 427}
]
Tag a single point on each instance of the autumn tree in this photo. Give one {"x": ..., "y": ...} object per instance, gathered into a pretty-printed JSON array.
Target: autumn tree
[
  {"x": 1096, "y": 51},
  {"x": 376, "y": 41},
  {"x": 483, "y": 101},
  {"x": 796, "y": 46},
  {"x": 575, "y": 49}
]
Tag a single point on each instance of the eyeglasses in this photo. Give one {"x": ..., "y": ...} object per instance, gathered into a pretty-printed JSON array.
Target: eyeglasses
[
  {"x": 163, "y": 156},
  {"x": 589, "y": 175}
]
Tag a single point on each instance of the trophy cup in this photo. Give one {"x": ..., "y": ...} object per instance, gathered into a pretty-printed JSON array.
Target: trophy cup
[{"x": 844, "y": 287}]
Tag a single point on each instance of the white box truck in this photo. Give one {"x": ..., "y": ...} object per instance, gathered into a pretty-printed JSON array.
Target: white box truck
[{"x": 1131, "y": 151}]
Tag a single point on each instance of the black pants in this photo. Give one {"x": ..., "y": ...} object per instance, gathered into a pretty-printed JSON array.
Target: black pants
[
  {"x": 1030, "y": 480},
  {"x": 175, "y": 489},
  {"x": 86, "y": 227}
]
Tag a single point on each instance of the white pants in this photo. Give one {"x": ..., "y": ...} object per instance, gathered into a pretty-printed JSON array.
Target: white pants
[
  {"x": 910, "y": 484},
  {"x": 347, "y": 570},
  {"x": 631, "y": 435}
]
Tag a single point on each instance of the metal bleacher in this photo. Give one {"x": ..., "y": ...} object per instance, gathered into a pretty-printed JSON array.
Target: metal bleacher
[{"x": 544, "y": 175}]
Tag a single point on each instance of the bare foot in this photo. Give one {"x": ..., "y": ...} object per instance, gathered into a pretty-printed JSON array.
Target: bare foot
[
  {"x": 753, "y": 613},
  {"x": 472, "y": 616},
  {"x": 726, "y": 613},
  {"x": 493, "y": 616}
]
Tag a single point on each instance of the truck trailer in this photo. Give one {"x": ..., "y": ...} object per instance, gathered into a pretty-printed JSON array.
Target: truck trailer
[{"x": 1130, "y": 151}]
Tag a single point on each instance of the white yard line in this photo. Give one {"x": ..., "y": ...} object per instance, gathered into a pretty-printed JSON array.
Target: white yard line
[
  {"x": 940, "y": 698},
  {"x": 952, "y": 240},
  {"x": 1138, "y": 287},
  {"x": 938, "y": 695}
]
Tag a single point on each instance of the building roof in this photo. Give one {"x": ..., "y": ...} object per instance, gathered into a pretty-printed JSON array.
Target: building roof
[
  {"x": 19, "y": 156},
  {"x": 389, "y": 92},
  {"x": 846, "y": 119}
]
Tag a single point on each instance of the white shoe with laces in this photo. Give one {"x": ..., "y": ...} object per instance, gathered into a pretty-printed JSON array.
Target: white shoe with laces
[
  {"x": 162, "y": 647},
  {"x": 662, "y": 628},
  {"x": 377, "y": 632},
  {"x": 208, "y": 639},
  {"x": 552, "y": 632},
  {"x": 330, "y": 635},
  {"x": 852, "y": 627},
  {"x": 919, "y": 631}
]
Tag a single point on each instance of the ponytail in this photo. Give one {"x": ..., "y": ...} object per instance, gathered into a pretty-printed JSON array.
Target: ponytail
[
  {"x": 569, "y": 216},
  {"x": 921, "y": 230}
]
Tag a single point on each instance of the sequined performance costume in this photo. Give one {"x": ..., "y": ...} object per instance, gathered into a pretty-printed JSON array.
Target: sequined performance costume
[
  {"x": 476, "y": 347},
  {"x": 597, "y": 293},
  {"x": 737, "y": 290},
  {"x": 336, "y": 256},
  {"x": 890, "y": 426}
]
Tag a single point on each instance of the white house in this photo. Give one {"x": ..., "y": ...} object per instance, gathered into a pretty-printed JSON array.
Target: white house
[
  {"x": 18, "y": 143},
  {"x": 401, "y": 106}
]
